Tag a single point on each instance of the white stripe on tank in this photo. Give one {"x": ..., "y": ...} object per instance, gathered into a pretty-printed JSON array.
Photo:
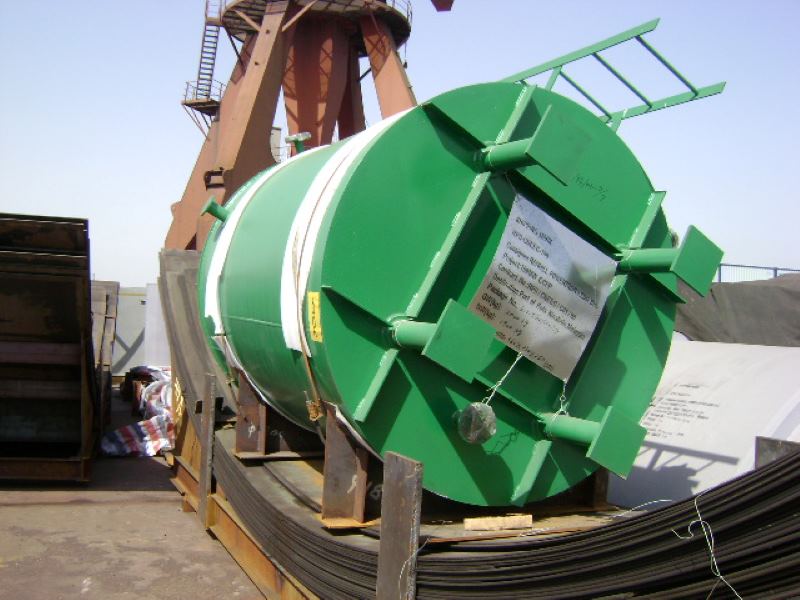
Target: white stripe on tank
[
  {"x": 217, "y": 263},
  {"x": 302, "y": 240}
]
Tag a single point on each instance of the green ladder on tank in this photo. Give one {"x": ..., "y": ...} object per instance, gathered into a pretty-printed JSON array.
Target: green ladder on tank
[{"x": 614, "y": 118}]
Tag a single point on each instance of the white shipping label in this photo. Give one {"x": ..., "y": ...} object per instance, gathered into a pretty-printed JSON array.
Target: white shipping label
[{"x": 544, "y": 290}]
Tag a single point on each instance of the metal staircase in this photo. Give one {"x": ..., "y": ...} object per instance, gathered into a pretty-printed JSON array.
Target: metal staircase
[
  {"x": 202, "y": 97},
  {"x": 208, "y": 50}
]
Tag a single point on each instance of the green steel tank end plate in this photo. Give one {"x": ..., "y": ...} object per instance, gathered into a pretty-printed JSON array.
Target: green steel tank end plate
[{"x": 491, "y": 146}]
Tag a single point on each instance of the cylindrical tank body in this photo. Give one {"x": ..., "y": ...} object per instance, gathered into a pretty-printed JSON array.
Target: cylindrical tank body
[{"x": 384, "y": 275}]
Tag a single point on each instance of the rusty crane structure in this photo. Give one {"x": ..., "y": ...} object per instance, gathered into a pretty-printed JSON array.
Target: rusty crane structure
[{"x": 309, "y": 51}]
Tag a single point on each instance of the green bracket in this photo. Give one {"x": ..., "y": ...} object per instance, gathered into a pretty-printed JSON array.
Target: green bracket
[
  {"x": 557, "y": 145},
  {"x": 698, "y": 261},
  {"x": 618, "y": 443},
  {"x": 458, "y": 342},
  {"x": 612, "y": 443},
  {"x": 535, "y": 463},
  {"x": 695, "y": 261},
  {"x": 614, "y": 118},
  {"x": 511, "y": 155},
  {"x": 364, "y": 406},
  {"x": 463, "y": 215}
]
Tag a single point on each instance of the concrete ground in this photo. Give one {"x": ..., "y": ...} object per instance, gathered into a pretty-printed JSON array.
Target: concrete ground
[{"x": 122, "y": 536}]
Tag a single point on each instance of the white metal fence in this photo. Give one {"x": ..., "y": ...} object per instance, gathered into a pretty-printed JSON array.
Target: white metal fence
[{"x": 729, "y": 273}]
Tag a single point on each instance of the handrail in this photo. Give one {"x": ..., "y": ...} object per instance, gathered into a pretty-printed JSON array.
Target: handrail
[{"x": 216, "y": 90}]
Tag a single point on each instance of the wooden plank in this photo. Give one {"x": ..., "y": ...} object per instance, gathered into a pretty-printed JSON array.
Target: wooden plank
[
  {"x": 99, "y": 302},
  {"x": 111, "y": 289},
  {"x": 185, "y": 481},
  {"x": 37, "y": 389},
  {"x": 44, "y": 234},
  {"x": 268, "y": 576},
  {"x": 39, "y": 353},
  {"x": 279, "y": 455},
  {"x": 345, "y": 473},
  {"x": 498, "y": 523},
  {"x": 35, "y": 262},
  {"x": 187, "y": 446},
  {"x": 401, "y": 506}
]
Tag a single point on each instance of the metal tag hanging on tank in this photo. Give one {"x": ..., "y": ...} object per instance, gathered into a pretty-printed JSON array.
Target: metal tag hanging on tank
[{"x": 544, "y": 290}]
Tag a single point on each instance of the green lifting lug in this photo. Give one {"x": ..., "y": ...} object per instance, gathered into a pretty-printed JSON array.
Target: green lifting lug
[
  {"x": 612, "y": 443},
  {"x": 211, "y": 207},
  {"x": 412, "y": 334},
  {"x": 458, "y": 342},
  {"x": 695, "y": 261},
  {"x": 511, "y": 155},
  {"x": 556, "y": 145}
]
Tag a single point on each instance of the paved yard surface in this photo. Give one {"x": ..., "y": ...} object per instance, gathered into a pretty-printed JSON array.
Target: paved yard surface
[{"x": 122, "y": 536}]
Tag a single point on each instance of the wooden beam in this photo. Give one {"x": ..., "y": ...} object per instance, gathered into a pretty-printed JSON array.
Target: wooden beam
[
  {"x": 269, "y": 578},
  {"x": 39, "y": 353},
  {"x": 45, "y": 469},
  {"x": 40, "y": 390}
]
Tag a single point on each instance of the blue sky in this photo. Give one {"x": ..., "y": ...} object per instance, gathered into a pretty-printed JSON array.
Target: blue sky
[{"x": 92, "y": 124}]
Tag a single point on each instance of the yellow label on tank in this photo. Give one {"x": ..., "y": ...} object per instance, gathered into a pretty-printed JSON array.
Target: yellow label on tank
[{"x": 314, "y": 322}]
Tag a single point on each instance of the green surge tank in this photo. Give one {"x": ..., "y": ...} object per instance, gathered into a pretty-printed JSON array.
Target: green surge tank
[{"x": 512, "y": 356}]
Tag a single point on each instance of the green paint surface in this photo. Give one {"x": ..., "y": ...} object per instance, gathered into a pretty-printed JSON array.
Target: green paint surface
[{"x": 413, "y": 226}]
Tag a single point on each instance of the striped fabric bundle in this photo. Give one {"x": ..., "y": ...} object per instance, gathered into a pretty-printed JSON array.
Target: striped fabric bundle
[
  {"x": 145, "y": 438},
  {"x": 156, "y": 399}
]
